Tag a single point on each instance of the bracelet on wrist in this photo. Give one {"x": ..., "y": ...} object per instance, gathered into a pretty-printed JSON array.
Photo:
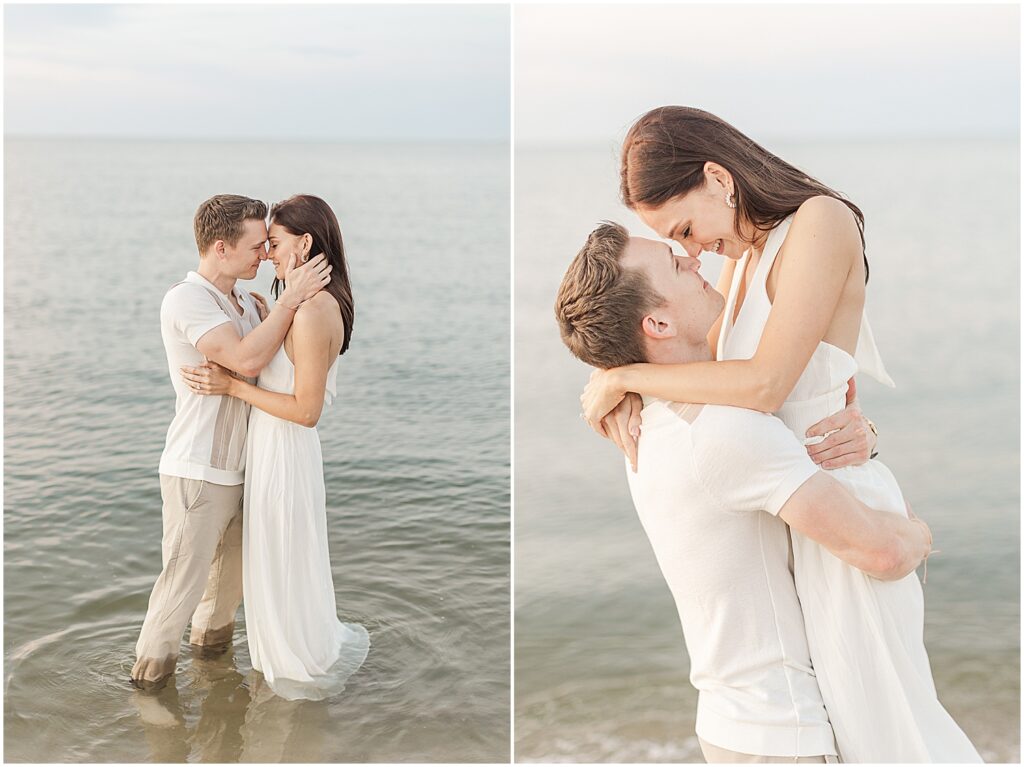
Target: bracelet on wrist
[
  {"x": 930, "y": 551},
  {"x": 874, "y": 430}
]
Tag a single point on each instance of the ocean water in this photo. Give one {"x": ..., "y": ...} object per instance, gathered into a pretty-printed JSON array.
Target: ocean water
[
  {"x": 416, "y": 452},
  {"x": 601, "y": 671}
]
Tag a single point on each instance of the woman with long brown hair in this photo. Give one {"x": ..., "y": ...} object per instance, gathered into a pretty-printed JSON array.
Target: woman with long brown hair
[
  {"x": 789, "y": 341},
  {"x": 295, "y": 637}
]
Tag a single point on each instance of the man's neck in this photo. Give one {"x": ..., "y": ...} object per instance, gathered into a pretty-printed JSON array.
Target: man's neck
[
  {"x": 679, "y": 353},
  {"x": 223, "y": 283}
]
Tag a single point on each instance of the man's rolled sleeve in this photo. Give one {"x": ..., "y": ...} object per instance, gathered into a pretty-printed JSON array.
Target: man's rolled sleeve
[{"x": 193, "y": 311}]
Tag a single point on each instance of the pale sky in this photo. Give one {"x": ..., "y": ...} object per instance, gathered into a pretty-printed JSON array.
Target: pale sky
[
  {"x": 775, "y": 71},
  {"x": 328, "y": 72}
]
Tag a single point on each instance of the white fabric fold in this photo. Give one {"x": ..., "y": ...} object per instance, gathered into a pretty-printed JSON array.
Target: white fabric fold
[{"x": 868, "y": 359}]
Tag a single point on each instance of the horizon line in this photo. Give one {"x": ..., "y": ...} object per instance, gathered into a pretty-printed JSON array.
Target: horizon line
[
  {"x": 767, "y": 138},
  {"x": 257, "y": 139}
]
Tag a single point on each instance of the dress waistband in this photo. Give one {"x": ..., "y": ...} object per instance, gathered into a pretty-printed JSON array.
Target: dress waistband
[{"x": 801, "y": 415}]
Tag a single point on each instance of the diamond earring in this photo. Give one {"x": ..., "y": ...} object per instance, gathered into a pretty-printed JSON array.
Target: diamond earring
[{"x": 729, "y": 201}]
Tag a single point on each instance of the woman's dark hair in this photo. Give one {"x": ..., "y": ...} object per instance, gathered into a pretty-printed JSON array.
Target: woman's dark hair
[
  {"x": 664, "y": 154},
  {"x": 305, "y": 214}
]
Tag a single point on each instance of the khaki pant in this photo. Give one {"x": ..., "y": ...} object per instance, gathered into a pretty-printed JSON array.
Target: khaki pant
[
  {"x": 201, "y": 577},
  {"x": 715, "y": 755}
]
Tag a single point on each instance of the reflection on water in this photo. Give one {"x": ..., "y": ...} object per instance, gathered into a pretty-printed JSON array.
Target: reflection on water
[
  {"x": 68, "y": 693},
  {"x": 227, "y": 717}
]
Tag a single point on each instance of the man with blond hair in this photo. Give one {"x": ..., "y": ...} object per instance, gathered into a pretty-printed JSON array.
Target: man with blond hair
[
  {"x": 714, "y": 489},
  {"x": 202, "y": 469}
]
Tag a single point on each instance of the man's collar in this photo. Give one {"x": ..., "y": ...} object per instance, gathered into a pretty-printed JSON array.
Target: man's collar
[{"x": 199, "y": 279}]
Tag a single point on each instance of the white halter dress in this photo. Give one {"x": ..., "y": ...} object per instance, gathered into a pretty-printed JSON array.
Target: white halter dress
[
  {"x": 866, "y": 636},
  {"x": 291, "y": 620}
]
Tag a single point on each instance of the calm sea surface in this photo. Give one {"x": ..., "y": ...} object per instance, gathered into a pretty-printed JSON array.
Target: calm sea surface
[
  {"x": 416, "y": 452},
  {"x": 601, "y": 669}
]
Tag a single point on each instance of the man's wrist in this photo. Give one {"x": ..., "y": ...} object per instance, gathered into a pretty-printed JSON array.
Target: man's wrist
[{"x": 926, "y": 536}]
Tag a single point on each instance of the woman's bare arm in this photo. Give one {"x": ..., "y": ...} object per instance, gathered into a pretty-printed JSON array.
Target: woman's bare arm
[{"x": 313, "y": 337}]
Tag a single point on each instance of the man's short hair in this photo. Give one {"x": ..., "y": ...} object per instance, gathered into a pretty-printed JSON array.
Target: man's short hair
[
  {"x": 223, "y": 217},
  {"x": 600, "y": 305}
]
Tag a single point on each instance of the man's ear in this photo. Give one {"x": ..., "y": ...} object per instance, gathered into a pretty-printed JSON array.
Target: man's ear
[
  {"x": 218, "y": 248},
  {"x": 657, "y": 329}
]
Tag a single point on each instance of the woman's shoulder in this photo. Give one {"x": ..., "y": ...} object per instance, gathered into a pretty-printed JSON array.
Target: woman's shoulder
[
  {"x": 319, "y": 303},
  {"x": 824, "y": 219},
  {"x": 321, "y": 310},
  {"x": 824, "y": 211}
]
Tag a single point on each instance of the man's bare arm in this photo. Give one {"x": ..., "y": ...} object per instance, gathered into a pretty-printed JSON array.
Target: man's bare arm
[
  {"x": 249, "y": 355},
  {"x": 884, "y": 545}
]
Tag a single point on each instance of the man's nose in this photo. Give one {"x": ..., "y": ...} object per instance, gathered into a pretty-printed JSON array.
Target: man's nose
[{"x": 691, "y": 262}]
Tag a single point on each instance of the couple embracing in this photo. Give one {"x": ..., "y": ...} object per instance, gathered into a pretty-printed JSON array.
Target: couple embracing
[
  {"x": 241, "y": 475},
  {"x": 790, "y": 552}
]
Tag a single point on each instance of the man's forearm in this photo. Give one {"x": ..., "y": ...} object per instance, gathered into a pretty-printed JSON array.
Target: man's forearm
[
  {"x": 884, "y": 545},
  {"x": 901, "y": 548},
  {"x": 260, "y": 345}
]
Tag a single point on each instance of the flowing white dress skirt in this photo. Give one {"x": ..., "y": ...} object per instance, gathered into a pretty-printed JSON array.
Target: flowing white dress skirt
[
  {"x": 866, "y": 636},
  {"x": 295, "y": 637}
]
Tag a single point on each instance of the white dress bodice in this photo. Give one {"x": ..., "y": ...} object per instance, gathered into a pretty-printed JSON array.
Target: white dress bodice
[
  {"x": 279, "y": 376},
  {"x": 821, "y": 389}
]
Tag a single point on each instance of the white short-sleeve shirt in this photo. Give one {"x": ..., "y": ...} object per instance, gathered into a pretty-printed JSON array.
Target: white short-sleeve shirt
[
  {"x": 709, "y": 485},
  {"x": 206, "y": 438}
]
